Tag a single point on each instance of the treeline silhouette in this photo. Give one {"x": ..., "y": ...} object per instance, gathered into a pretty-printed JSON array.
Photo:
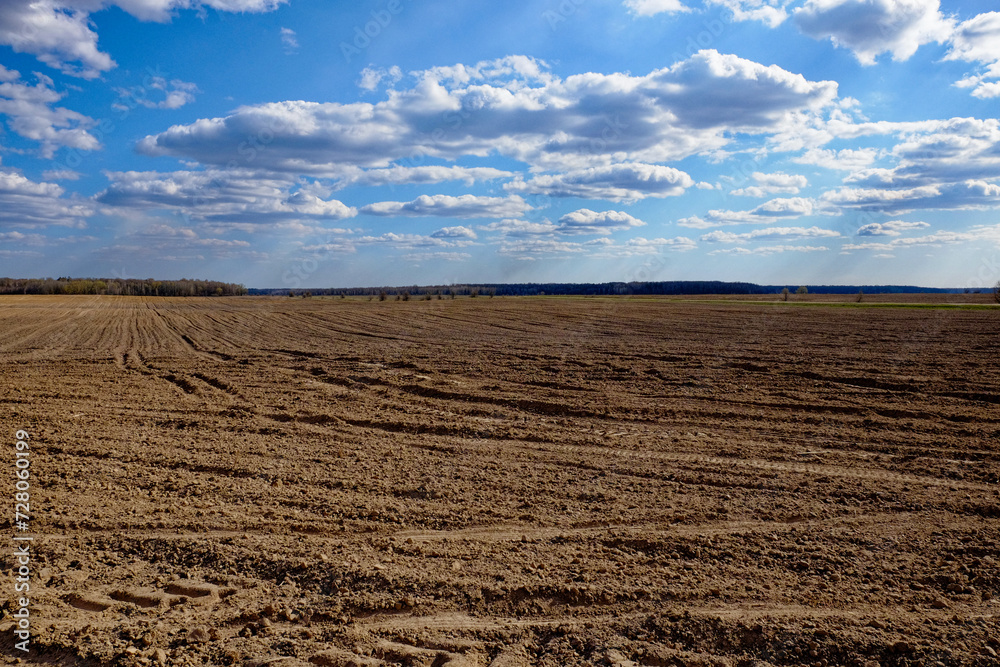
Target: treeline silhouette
[
  {"x": 122, "y": 286},
  {"x": 675, "y": 287},
  {"x": 185, "y": 287}
]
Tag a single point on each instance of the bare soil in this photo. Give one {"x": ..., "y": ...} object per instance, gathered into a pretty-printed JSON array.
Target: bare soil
[{"x": 505, "y": 482}]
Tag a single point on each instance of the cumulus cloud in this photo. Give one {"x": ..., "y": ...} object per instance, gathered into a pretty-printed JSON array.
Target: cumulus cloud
[
  {"x": 714, "y": 90},
  {"x": 978, "y": 40},
  {"x": 770, "y": 184},
  {"x": 463, "y": 206},
  {"x": 792, "y": 207},
  {"x": 459, "y": 232},
  {"x": 959, "y": 149},
  {"x": 515, "y": 108},
  {"x": 769, "y": 12},
  {"x": 26, "y": 203},
  {"x": 585, "y": 221},
  {"x": 59, "y": 33},
  {"x": 872, "y": 27},
  {"x": 235, "y": 197},
  {"x": 618, "y": 182},
  {"x": 891, "y": 228},
  {"x": 372, "y": 77},
  {"x": 31, "y": 113},
  {"x": 939, "y": 164},
  {"x": 972, "y": 194}
]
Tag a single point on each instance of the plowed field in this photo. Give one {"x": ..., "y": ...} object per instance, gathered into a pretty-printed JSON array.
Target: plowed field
[{"x": 506, "y": 482}]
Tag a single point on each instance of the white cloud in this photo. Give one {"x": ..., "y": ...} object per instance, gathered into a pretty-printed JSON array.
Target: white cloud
[
  {"x": 524, "y": 228},
  {"x": 939, "y": 164},
  {"x": 26, "y": 203},
  {"x": 60, "y": 39},
  {"x": 397, "y": 175},
  {"x": 410, "y": 241},
  {"x": 463, "y": 206},
  {"x": 715, "y": 90},
  {"x": 653, "y": 7},
  {"x": 936, "y": 239},
  {"x": 8, "y": 75},
  {"x": 218, "y": 197},
  {"x": 536, "y": 248},
  {"x": 607, "y": 249},
  {"x": 768, "y": 250},
  {"x": 720, "y": 218},
  {"x": 872, "y": 27},
  {"x": 371, "y": 77},
  {"x": 289, "y": 41},
  {"x": 770, "y": 12},
  {"x": 792, "y": 207},
  {"x": 769, "y": 184},
  {"x": 891, "y": 228},
  {"x": 459, "y": 232},
  {"x": 618, "y": 182},
  {"x": 971, "y": 194},
  {"x": 676, "y": 243},
  {"x": 985, "y": 90},
  {"x": 847, "y": 159},
  {"x": 176, "y": 93},
  {"x": 959, "y": 149},
  {"x": 436, "y": 257},
  {"x": 585, "y": 221},
  {"x": 768, "y": 212},
  {"x": 770, "y": 233},
  {"x": 159, "y": 240},
  {"x": 162, "y": 10},
  {"x": 59, "y": 32},
  {"x": 164, "y": 242},
  {"x": 31, "y": 113},
  {"x": 514, "y": 108},
  {"x": 978, "y": 40}
]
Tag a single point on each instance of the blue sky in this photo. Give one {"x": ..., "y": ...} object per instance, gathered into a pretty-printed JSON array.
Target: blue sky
[{"x": 298, "y": 143}]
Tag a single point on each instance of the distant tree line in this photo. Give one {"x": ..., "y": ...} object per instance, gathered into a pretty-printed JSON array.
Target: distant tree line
[
  {"x": 530, "y": 289},
  {"x": 678, "y": 287},
  {"x": 120, "y": 286}
]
